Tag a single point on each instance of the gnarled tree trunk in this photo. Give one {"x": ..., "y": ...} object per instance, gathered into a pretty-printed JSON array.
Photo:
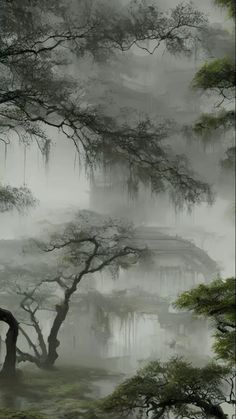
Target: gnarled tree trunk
[
  {"x": 53, "y": 342},
  {"x": 9, "y": 365},
  {"x": 211, "y": 410}
]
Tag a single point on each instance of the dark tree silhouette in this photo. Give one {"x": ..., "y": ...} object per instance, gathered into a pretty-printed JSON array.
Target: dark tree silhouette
[
  {"x": 89, "y": 245},
  {"x": 19, "y": 199},
  {"x": 174, "y": 387},
  {"x": 35, "y": 93}
]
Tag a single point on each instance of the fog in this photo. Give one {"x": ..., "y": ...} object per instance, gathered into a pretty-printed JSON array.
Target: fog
[{"x": 105, "y": 328}]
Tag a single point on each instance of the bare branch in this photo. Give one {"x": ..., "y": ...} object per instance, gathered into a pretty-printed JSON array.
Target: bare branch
[{"x": 25, "y": 304}]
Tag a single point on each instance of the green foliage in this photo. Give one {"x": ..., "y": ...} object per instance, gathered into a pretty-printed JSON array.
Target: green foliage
[
  {"x": 229, "y": 4},
  {"x": 209, "y": 299},
  {"x": 209, "y": 122},
  {"x": 218, "y": 74},
  {"x": 15, "y": 198},
  {"x": 224, "y": 345},
  {"x": 171, "y": 387},
  {"x": 7, "y": 414},
  {"x": 66, "y": 392},
  {"x": 217, "y": 301},
  {"x": 209, "y": 129}
]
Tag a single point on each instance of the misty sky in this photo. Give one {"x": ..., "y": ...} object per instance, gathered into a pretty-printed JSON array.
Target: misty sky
[{"x": 64, "y": 184}]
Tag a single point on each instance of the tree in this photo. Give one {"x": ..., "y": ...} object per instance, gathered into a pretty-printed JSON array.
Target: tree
[
  {"x": 15, "y": 198},
  {"x": 178, "y": 387},
  {"x": 229, "y": 4},
  {"x": 38, "y": 40},
  {"x": 19, "y": 199},
  {"x": 174, "y": 387},
  {"x": 89, "y": 244},
  {"x": 217, "y": 77},
  {"x": 9, "y": 365},
  {"x": 216, "y": 301}
]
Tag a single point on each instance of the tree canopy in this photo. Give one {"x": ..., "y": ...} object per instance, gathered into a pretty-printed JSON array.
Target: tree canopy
[
  {"x": 90, "y": 244},
  {"x": 216, "y": 301},
  {"x": 38, "y": 40},
  {"x": 15, "y": 198},
  {"x": 217, "y": 77},
  {"x": 229, "y": 4},
  {"x": 174, "y": 387},
  {"x": 177, "y": 387}
]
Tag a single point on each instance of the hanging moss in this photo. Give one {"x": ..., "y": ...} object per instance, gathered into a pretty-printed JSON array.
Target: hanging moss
[
  {"x": 208, "y": 123},
  {"x": 123, "y": 306},
  {"x": 101, "y": 327},
  {"x": 229, "y": 4},
  {"x": 46, "y": 151},
  {"x": 15, "y": 198}
]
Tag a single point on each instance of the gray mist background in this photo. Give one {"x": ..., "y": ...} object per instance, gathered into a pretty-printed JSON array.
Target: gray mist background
[{"x": 156, "y": 84}]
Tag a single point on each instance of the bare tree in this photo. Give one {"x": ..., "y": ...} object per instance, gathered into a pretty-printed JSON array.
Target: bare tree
[
  {"x": 87, "y": 246},
  {"x": 19, "y": 199}
]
